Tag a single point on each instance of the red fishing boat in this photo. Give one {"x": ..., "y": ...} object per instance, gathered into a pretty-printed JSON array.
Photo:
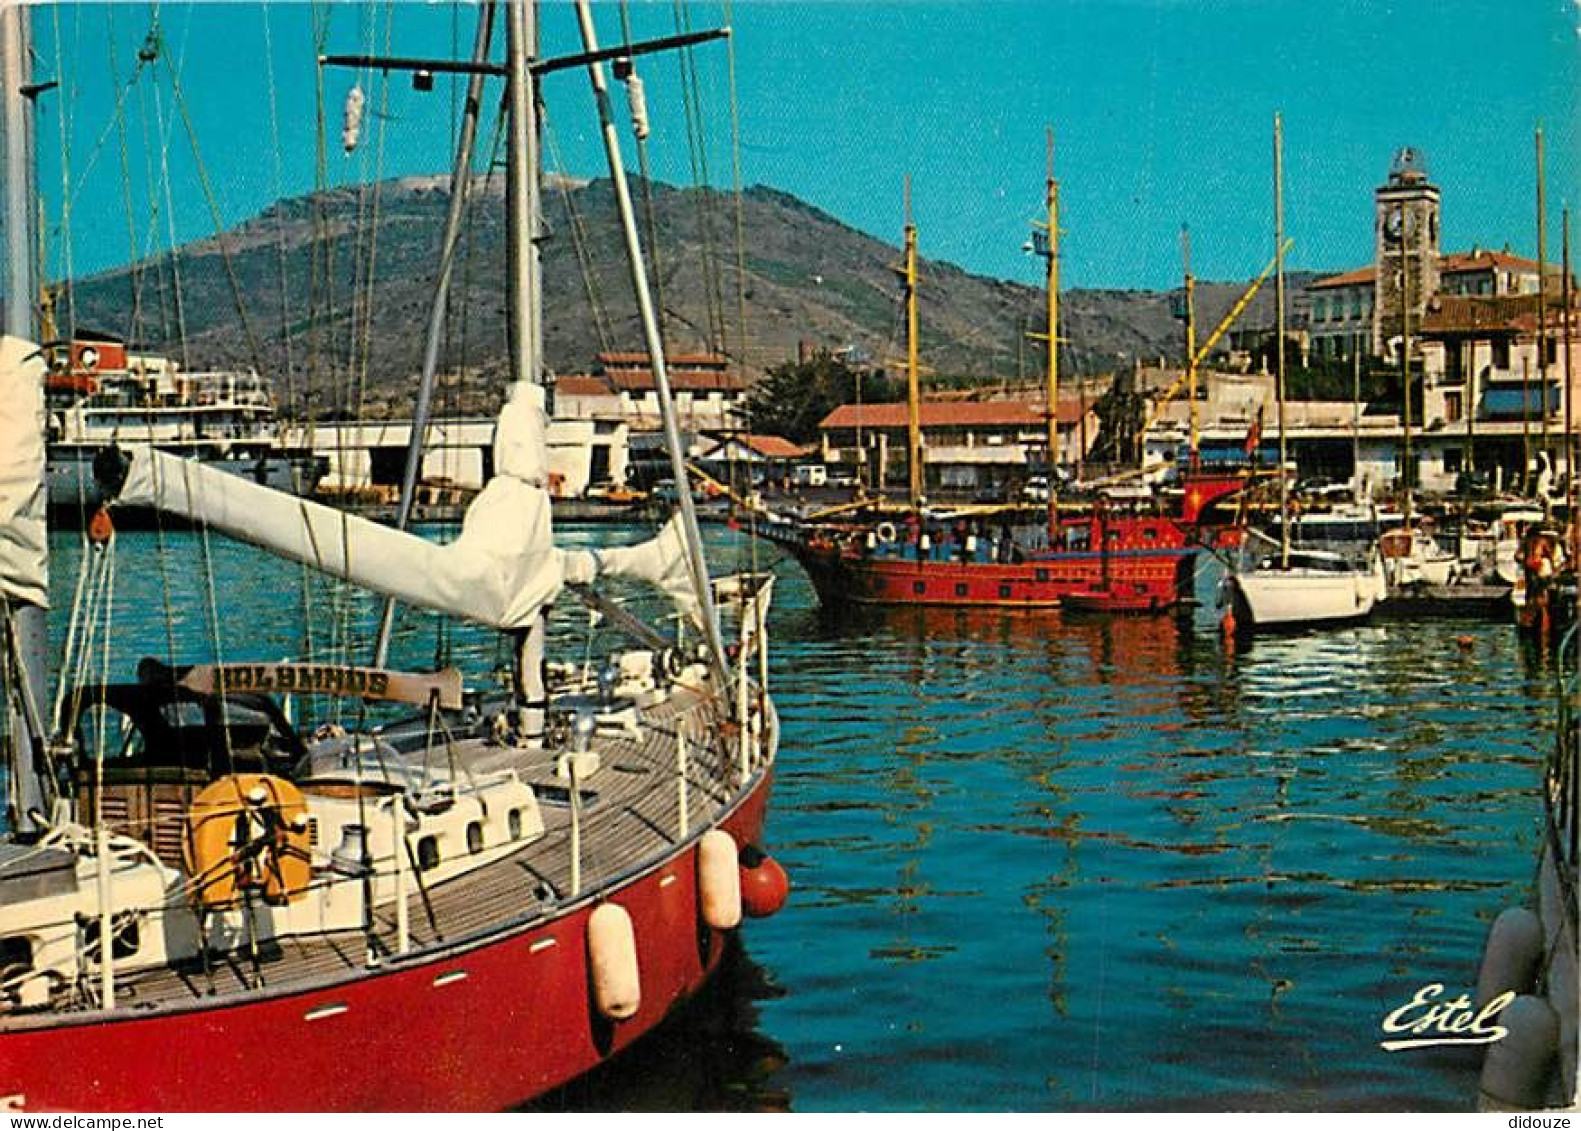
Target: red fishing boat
[
  {"x": 1119, "y": 553},
  {"x": 206, "y": 906}
]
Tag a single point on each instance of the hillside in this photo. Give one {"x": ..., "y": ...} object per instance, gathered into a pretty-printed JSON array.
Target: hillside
[{"x": 808, "y": 277}]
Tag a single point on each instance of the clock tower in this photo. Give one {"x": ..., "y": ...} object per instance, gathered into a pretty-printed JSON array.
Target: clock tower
[{"x": 1405, "y": 245}]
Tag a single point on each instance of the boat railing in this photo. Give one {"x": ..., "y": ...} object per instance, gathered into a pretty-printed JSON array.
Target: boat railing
[{"x": 1562, "y": 779}]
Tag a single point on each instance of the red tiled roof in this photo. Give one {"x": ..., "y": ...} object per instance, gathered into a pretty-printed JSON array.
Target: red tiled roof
[
  {"x": 580, "y": 385},
  {"x": 773, "y": 447},
  {"x": 949, "y": 414},
  {"x": 689, "y": 380},
  {"x": 1348, "y": 279},
  {"x": 1451, "y": 263},
  {"x": 1478, "y": 260},
  {"x": 1453, "y": 315}
]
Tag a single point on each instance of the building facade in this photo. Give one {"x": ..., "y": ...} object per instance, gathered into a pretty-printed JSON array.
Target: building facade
[{"x": 966, "y": 445}]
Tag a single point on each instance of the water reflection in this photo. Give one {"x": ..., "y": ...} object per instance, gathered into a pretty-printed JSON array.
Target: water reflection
[
  {"x": 710, "y": 1055},
  {"x": 1043, "y": 861}
]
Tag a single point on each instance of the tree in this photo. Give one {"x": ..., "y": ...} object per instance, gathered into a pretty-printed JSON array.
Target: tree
[{"x": 793, "y": 397}]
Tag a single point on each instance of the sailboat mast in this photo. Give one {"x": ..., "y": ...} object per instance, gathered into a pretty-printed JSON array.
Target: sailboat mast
[
  {"x": 1569, "y": 387},
  {"x": 1051, "y": 285},
  {"x": 1279, "y": 337},
  {"x": 522, "y": 161},
  {"x": 1191, "y": 346},
  {"x": 655, "y": 344},
  {"x": 1355, "y": 421},
  {"x": 913, "y": 390},
  {"x": 1542, "y": 299},
  {"x": 1407, "y": 465},
  {"x": 460, "y": 179},
  {"x": 28, "y": 619}
]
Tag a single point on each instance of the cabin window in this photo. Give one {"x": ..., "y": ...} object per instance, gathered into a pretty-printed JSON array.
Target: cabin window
[
  {"x": 919, "y": 587},
  {"x": 513, "y": 824},
  {"x": 1004, "y": 590},
  {"x": 16, "y": 951},
  {"x": 1042, "y": 575},
  {"x": 125, "y": 939},
  {"x": 428, "y": 853},
  {"x": 1112, "y": 537},
  {"x": 475, "y": 837},
  {"x": 960, "y": 589},
  {"x": 1150, "y": 533}
]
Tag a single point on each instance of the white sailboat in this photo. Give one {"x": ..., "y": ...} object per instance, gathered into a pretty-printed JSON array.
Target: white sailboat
[
  {"x": 1291, "y": 588},
  {"x": 1413, "y": 559},
  {"x": 1305, "y": 588}
]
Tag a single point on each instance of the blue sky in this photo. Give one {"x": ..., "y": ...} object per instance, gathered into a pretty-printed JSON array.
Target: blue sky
[{"x": 1162, "y": 111}]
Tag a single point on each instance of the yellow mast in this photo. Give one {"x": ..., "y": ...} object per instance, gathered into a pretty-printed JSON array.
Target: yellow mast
[
  {"x": 1051, "y": 282},
  {"x": 1279, "y": 336},
  {"x": 913, "y": 394},
  {"x": 1542, "y": 304},
  {"x": 1569, "y": 388},
  {"x": 1191, "y": 343}
]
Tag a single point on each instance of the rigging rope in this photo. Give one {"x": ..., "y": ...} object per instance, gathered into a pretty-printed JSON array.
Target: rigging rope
[
  {"x": 650, "y": 220},
  {"x": 698, "y": 154},
  {"x": 219, "y": 224},
  {"x": 64, "y": 118},
  {"x": 602, "y": 325},
  {"x": 170, "y": 225}
]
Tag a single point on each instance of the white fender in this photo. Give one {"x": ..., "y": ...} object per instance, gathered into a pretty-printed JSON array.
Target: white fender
[
  {"x": 612, "y": 962},
  {"x": 1512, "y": 956},
  {"x": 1516, "y": 1070},
  {"x": 719, "y": 880}
]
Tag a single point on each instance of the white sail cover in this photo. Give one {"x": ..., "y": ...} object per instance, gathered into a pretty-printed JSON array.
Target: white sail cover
[
  {"x": 661, "y": 561},
  {"x": 24, "y": 568},
  {"x": 501, "y": 571}
]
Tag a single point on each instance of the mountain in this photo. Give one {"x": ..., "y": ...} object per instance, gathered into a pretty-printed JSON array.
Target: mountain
[{"x": 332, "y": 342}]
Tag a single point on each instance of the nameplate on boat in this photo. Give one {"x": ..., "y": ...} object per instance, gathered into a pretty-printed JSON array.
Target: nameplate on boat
[{"x": 328, "y": 679}]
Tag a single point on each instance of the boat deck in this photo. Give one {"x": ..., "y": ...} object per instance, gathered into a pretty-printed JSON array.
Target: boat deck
[{"x": 629, "y": 823}]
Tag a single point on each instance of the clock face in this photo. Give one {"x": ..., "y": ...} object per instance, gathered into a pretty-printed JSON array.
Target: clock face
[{"x": 1394, "y": 224}]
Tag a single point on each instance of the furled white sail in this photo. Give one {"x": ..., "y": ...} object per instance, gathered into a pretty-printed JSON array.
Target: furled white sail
[
  {"x": 502, "y": 570},
  {"x": 661, "y": 561},
  {"x": 24, "y": 568}
]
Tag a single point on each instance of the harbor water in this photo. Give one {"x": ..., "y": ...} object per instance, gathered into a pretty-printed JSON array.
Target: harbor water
[{"x": 1042, "y": 861}]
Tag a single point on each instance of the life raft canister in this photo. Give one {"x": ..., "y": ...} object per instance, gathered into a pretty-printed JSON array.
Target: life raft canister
[{"x": 248, "y": 833}]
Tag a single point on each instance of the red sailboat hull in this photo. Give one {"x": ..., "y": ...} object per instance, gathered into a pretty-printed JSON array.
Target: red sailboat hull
[{"x": 481, "y": 1027}]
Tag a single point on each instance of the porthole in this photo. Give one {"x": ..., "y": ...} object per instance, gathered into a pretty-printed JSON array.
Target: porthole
[{"x": 428, "y": 853}]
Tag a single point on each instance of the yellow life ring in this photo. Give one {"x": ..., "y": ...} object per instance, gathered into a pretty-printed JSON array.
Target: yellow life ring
[
  {"x": 885, "y": 532},
  {"x": 248, "y": 833}
]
